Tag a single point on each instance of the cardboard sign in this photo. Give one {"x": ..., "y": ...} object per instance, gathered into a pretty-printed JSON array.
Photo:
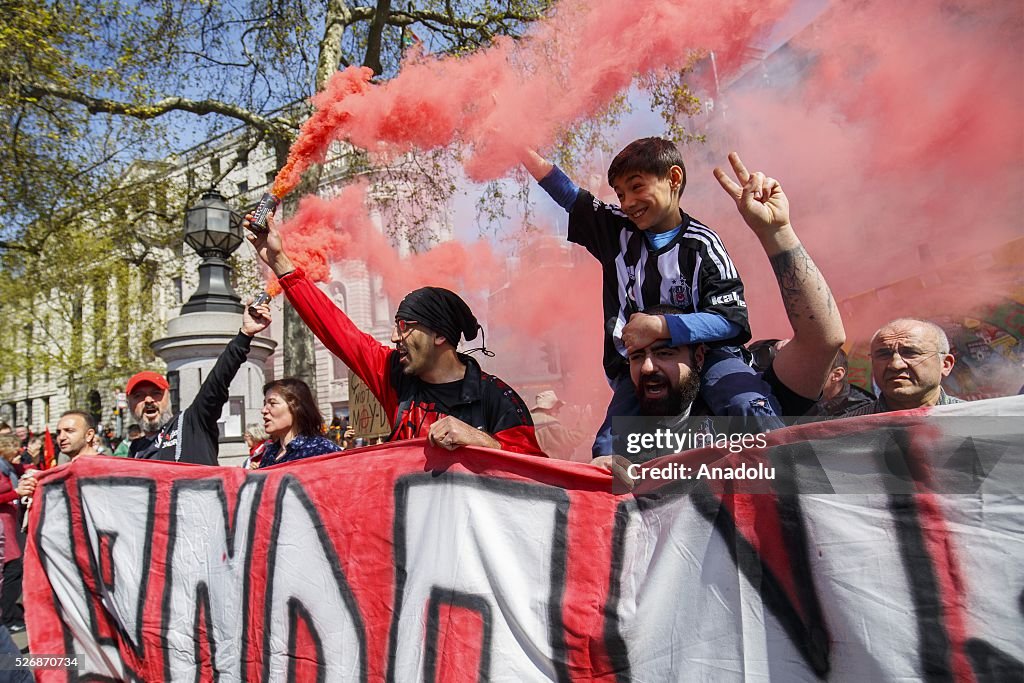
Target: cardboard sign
[{"x": 366, "y": 414}]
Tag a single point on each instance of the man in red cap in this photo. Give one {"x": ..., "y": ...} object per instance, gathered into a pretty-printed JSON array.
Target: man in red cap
[{"x": 191, "y": 435}]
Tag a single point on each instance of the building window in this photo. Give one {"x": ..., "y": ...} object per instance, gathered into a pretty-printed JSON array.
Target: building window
[
  {"x": 338, "y": 295},
  {"x": 340, "y": 410},
  {"x": 214, "y": 167},
  {"x": 340, "y": 370},
  {"x": 95, "y": 404},
  {"x": 270, "y": 177},
  {"x": 174, "y": 389},
  {"x": 231, "y": 424},
  {"x": 243, "y": 187}
]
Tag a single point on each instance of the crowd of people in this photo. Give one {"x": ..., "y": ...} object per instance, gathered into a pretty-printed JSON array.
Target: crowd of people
[
  {"x": 676, "y": 327},
  {"x": 675, "y": 337}
]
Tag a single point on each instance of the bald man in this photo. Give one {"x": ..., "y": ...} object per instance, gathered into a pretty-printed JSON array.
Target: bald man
[{"x": 909, "y": 359}]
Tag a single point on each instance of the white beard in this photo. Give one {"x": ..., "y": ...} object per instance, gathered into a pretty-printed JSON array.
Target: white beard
[{"x": 149, "y": 426}]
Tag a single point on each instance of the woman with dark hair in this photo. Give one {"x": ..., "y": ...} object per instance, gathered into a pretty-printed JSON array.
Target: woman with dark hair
[{"x": 293, "y": 423}]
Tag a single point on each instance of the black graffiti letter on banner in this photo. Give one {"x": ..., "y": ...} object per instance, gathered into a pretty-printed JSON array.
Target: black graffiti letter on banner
[
  {"x": 683, "y": 577},
  {"x": 305, "y": 582},
  {"x": 208, "y": 570},
  {"x": 120, "y": 511},
  {"x": 444, "y": 562}
]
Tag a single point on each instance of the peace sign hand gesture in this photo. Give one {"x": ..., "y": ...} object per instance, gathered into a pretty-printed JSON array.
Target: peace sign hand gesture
[{"x": 760, "y": 199}]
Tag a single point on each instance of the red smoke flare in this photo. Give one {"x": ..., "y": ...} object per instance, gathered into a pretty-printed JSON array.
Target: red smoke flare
[{"x": 322, "y": 126}]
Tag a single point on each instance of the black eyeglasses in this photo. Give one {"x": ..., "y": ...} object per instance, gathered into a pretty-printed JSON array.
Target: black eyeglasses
[{"x": 909, "y": 355}]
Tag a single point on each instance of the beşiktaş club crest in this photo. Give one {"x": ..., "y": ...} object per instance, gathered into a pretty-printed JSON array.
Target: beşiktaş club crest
[{"x": 679, "y": 294}]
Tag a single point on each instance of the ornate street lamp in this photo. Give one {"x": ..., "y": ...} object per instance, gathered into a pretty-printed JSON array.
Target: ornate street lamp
[{"x": 214, "y": 231}]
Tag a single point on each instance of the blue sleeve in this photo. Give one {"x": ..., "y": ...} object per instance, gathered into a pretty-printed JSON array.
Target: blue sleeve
[
  {"x": 560, "y": 188},
  {"x": 694, "y": 328}
]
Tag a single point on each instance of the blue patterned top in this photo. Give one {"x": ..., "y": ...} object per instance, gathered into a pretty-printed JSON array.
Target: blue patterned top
[{"x": 298, "y": 448}]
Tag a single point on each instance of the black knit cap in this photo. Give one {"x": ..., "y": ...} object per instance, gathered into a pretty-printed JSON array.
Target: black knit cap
[{"x": 442, "y": 311}]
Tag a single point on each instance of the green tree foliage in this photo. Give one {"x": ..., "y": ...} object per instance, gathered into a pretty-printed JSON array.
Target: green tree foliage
[
  {"x": 95, "y": 92},
  {"x": 91, "y": 87}
]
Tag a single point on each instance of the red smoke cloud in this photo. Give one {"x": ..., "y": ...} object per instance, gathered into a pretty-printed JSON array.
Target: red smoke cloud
[
  {"x": 519, "y": 93},
  {"x": 894, "y": 128},
  {"x": 896, "y": 131},
  {"x": 318, "y": 131},
  {"x": 323, "y": 231}
]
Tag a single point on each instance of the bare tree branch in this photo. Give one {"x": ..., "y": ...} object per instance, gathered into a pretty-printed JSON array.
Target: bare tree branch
[
  {"x": 275, "y": 126},
  {"x": 480, "y": 21},
  {"x": 17, "y": 246},
  {"x": 339, "y": 17},
  {"x": 373, "y": 39}
]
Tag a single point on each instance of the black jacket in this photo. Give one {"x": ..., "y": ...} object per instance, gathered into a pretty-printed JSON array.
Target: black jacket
[
  {"x": 196, "y": 425},
  {"x": 851, "y": 398}
]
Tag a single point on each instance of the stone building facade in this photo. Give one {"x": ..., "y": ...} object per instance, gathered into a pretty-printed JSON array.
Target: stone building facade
[{"x": 118, "y": 320}]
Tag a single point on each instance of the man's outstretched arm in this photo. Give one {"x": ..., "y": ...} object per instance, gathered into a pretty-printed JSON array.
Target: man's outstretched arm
[
  {"x": 209, "y": 402},
  {"x": 804, "y": 363},
  {"x": 366, "y": 356}
]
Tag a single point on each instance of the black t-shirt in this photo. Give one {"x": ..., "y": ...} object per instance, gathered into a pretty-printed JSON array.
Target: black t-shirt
[
  {"x": 445, "y": 395},
  {"x": 435, "y": 401},
  {"x": 792, "y": 403}
]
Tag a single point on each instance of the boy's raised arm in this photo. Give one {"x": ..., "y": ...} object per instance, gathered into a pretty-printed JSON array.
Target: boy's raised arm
[
  {"x": 550, "y": 178},
  {"x": 537, "y": 165}
]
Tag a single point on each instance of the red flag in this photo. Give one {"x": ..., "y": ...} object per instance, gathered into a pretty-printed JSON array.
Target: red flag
[{"x": 49, "y": 455}]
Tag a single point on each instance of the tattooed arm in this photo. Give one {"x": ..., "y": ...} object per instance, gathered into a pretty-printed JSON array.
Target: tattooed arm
[{"x": 803, "y": 363}]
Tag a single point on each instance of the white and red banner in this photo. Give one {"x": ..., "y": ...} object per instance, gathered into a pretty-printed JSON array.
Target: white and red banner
[{"x": 885, "y": 548}]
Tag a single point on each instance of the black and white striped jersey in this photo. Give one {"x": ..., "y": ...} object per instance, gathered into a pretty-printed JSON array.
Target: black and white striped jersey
[{"x": 693, "y": 272}]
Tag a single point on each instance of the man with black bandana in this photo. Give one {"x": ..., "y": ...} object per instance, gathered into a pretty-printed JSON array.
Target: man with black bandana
[{"x": 427, "y": 388}]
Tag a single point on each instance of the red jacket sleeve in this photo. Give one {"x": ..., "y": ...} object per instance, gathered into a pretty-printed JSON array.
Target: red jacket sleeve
[
  {"x": 7, "y": 492},
  {"x": 366, "y": 356}
]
